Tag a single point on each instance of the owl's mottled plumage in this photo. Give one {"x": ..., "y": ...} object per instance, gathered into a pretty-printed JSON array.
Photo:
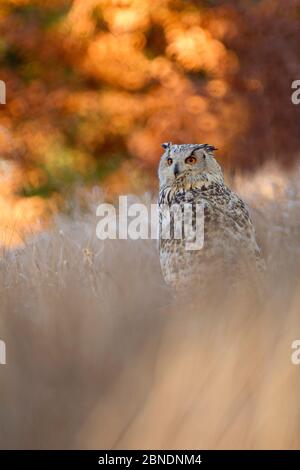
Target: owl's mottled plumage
[{"x": 230, "y": 252}]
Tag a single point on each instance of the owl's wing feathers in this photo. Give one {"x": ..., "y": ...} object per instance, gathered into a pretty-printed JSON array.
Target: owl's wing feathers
[
  {"x": 225, "y": 215},
  {"x": 230, "y": 214},
  {"x": 229, "y": 238}
]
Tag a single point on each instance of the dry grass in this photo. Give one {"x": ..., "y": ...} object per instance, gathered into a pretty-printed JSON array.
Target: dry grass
[{"x": 99, "y": 354}]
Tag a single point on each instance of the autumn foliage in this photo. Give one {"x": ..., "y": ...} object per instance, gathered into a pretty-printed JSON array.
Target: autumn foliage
[{"x": 95, "y": 86}]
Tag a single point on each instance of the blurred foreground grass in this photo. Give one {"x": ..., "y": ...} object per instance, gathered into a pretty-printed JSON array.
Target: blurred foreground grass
[{"x": 100, "y": 355}]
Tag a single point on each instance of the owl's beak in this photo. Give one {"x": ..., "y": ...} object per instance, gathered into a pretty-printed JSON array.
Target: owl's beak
[{"x": 176, "y": 170}]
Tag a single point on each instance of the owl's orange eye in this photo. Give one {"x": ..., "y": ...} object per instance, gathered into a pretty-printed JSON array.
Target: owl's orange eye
[
  {"x": 169, "y": 161},
  {"x": 191, "y": 160}
]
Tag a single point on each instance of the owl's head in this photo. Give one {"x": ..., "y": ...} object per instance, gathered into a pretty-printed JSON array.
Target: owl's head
[{"x": 192, "y": 164}]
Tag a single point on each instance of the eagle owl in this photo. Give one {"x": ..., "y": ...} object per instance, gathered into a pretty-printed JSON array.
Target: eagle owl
[{"x": 189, "y": 173}]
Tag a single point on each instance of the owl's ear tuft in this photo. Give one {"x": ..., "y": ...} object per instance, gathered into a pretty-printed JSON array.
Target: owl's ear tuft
[
  {"x": 166, "y": 145},
  {"x": 209, "y": 148}
]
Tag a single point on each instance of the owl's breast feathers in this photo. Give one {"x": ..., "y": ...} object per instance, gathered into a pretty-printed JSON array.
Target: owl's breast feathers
[{"x": 229, "y": 236}]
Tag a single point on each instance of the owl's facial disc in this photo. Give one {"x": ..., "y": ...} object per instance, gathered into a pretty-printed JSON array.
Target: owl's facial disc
[
  {"x": 178, "y": 165},
  {"x": 189, "y": 163}
]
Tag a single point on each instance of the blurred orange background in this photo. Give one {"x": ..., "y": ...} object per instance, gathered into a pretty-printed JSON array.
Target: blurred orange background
[{"x": 95, "y": 86}]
